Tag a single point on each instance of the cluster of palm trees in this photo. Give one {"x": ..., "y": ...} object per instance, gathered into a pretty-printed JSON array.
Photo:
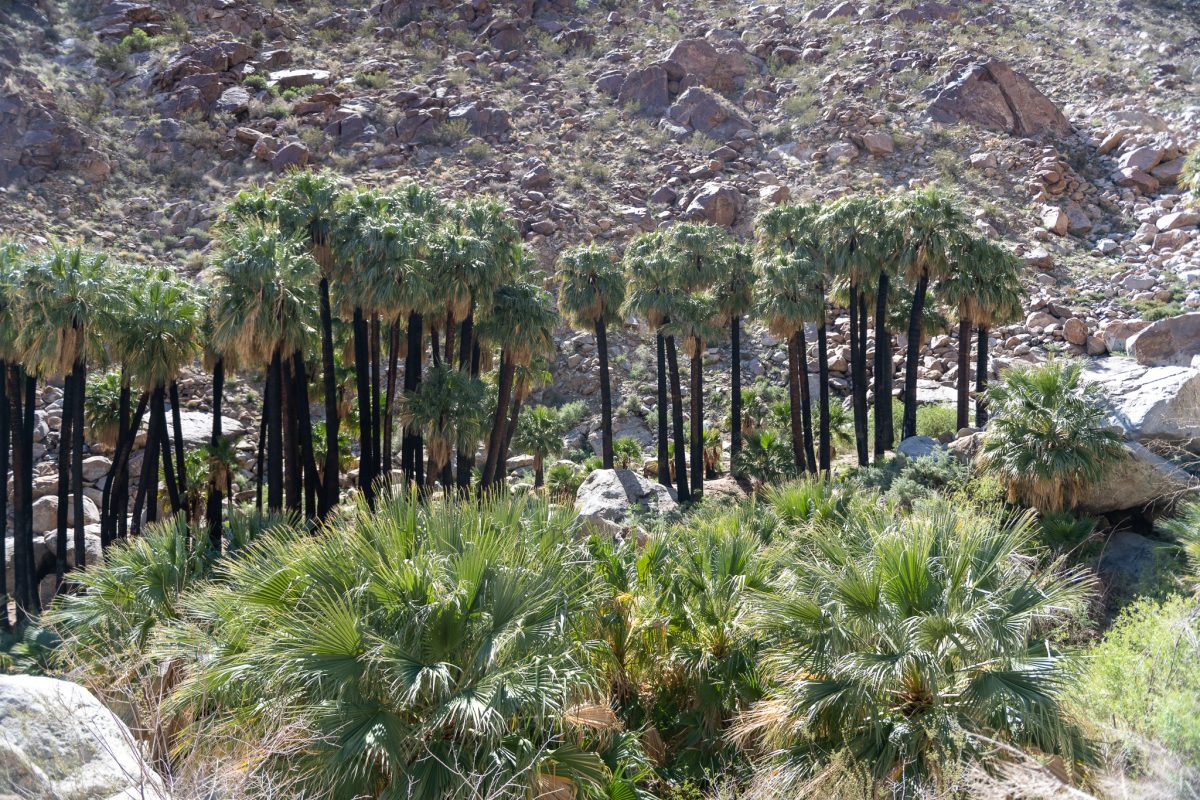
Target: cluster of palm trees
[{"x": 897, "y": 259}]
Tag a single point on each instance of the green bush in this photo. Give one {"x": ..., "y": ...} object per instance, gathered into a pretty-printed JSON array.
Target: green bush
[
  {"x": 1143, "y": 679},
  {"x": 904, "y": 481},
  {"x": 138, "y": 41},
  {"x": 255, "y": 81}
]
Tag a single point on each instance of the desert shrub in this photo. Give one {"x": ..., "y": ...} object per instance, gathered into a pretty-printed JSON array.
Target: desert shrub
[
  {"x": 904, "y": 481},
  {"x": 255, "y": 81},
  {"x": 102, "y": 406},
  {"x": 766, "y": 456},
  {"x": 627, "y": 452},
  {"x": 1143, "y": 678}
]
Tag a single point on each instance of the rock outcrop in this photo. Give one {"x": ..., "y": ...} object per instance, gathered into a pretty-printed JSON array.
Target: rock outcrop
[
  {"x": 699, "y": 109},
  {"x": 1170, "y": 342},
  {"x": 991, "y": 94},
  {"x": 608, "y": 499},
  {"x": 1150, "y": 402},
  {"x": 58, "y": 742}
]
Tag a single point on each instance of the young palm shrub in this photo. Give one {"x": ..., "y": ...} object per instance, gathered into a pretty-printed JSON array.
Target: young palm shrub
[
  {"x": 914, "y": 647},
  {"x": 627, "y": 453},
  {"x": 447, "y": 408},
  {"x": 767, "y": 457},
  {"x": 1049, "y": 437},
  {"x": 424, "y": 651},
  {"x": 540, "y": 434}
]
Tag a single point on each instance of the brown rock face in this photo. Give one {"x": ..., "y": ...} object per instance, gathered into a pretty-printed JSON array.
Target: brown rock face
[
  {"x": 37, "y": 138},
  {"x": 716, "y": 69},
  {"x": 716, "y": 202},
  {"x": 703, "y": 111},
  {"x": 991, "y": 94},
  {"x": 645, "y": 89}
]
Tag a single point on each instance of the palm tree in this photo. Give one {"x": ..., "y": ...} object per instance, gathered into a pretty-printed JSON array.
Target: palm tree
[
  {"x": 929, "y": 225},
  {"x": 305, "y": 203},
  {"x": 593, "y": 289},
  {"x": 520, "y": 322},
  {"x": 734, "y": 294},
  {"x": 1049, "y": 437},
  {"x": 649, "y": 272},
  {"x": 156, "y": 337},
  {"x": 910, "y": 643},
  {"x": 447, "y": 408},
  {"x": 528, "y": 377},
  {"x": 11, "y": 430},
  {"x": 985, "y": 283},
  {"x": 64, "y": 295},
  {"x": 264, "y": 296},
  {"x": 694, "y": 322},
  {"x": 540, "y": 434}
]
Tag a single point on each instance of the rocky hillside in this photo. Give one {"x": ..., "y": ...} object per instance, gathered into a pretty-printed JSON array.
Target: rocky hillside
[{"x": 1062, "y": 126}]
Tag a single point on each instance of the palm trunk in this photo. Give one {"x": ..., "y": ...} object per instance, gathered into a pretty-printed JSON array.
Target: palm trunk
[
  {"x": 981, "y": 377},
  {"x": 304, "y": 431},
  {"x": 108, "y": 496},
  {"x": 362, "y": 373},
  {"x": 177, "y": 421},
  {"x": 883, "y": 371},
  {"x": 681, "y": 473},
  {"x": 824, "y": 457},
  {"x": 664, "y": 466},
  {"x": 697, "y": 413},
  {"x": 4, "y": 449},
  {"x": 169, "y": 477},
  {"x": 260, "y": 461},
  {"x": 861, "y": 380},
  {"x": 33, "y": 599},
  {"x": 410, "y": 454},
  {"x": 539, "y": 472},
  {"x": 119, "y": 505},
  {"x": 64, "y": 477},
  {"x": 22, "y": 547},
  {"x": 513, "y": 419},
  {"x": 147, "y": 495},
  {"x": 805, "y": 401},
  {"x": 468, "y": 359},
  {"x": 80, "y": 378},
  {"x": 735, "y": 390},
  {"x": 499, "y": 420},
  {"x": 963, "y": 418},
  {"x": 389, "y": 407},
  {"x": 606, "y": 427},
  {"x": 275, "y": 434},
  {"x": 376, "y": 394},
  {"x": 913, "y": 357},
  {"x": 293, "y": 487},
  {"x": 858, "y": 356},
  {"x": 212, "y": 511},
  {"x": 330, "y": 486},
  {"x": 797, "y": 426}
]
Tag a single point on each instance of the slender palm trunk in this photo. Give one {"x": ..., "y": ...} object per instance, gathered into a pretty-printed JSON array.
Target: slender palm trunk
[
  {"x": 539, "y": 471},
  {"x": 805, "y": 401},
  {"x": 513, "y": 420},
  {"x": 212, "y": 510},
  {"x": 118, "y": 498},
  {"x": 330, "y": 486},
  {"x": 4, "y": 449},
  {"x": 147, "y": 495},
  {"x": 883, "y": 371},
  {"x": 376, "y": 385},
  {"x": 168, "y": 467},
  {"x": 913, "y": 357},
  {"x": 22, "y": 578},
  {"x": 606, "y": 427},
  {"x": 304, "y": 437},
  {"x": 362, "y": 373},
  {"x": 858, "y": 358},
  {"x": 499, "y": 419},
  {"x": 389, "y": 406},
  {"x": 260, "y": 461},
  {"x": 735, "y": 388},
  {"x": 697, "y": 413},
  {"x": 664, "y": 467},
  {"x": 275, "y": 434},
  {"x": 681, "y": 473},
  {"x": 981, "y": 377},
  {"x": 410, "y": 454},
  {"x": 797, "y": 426},
  {"x": 80, "y": 379},
  {"x": 468, "y": 359},
  {"x": 28, "y": 405},
  {"x": 963, "y": 418},
  {"x": 293, "y": 486},
  {"x": 824, "y": 456},
  {"x": 64, "y": 477},
  {"x": 177, "y": 422},
  {"x": 108, "y": 495}
]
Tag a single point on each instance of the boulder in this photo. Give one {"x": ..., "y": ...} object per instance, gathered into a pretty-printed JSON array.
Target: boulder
[
  {"x": 700, "y": 110},
  {"x": 1168, "y": 342},
  {"x": 291, "y": 156},
  {"x": 989, "y": 93},
  {"x": 297, "y": 78},
  {"x": 1075, "y": 331},
  {"x": 919, "y": 446},
  {"x": 879, "y": 143},
  {"x": 699, "y": 60},
  {"x": 482, "y": 120},
  {"x": 1179, "y": 219},
  {"x": 234, "y": 100},
  {"x": 645, "y": 90},
  {"x": 1117, "y": 332},
  {"x": 95, "y": 468},
  {"x": 1149, "y": 402},
  {"x": 1140, "y": 479},
  {"x": 45, "y": 513},
  {"x": 608, "y": 498},
  {"x": 196, "y": 427},
  {"x": 57, "y": 741},
  {"x": 716, "y": 202}
]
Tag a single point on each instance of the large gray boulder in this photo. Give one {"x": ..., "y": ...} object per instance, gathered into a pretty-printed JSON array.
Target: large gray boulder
[
  {"x": 608, "y": 498},
  {"x": 1170, "y": 342},
  {"x": 919, "y": 446},
  {"x": 1140, "y": 479},
  {"x": 1149, "y": 402},
  {"x": 989, "y": 93},
  {"x": 197, "y": 429},
  {"x": 57, "y": 742}
]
